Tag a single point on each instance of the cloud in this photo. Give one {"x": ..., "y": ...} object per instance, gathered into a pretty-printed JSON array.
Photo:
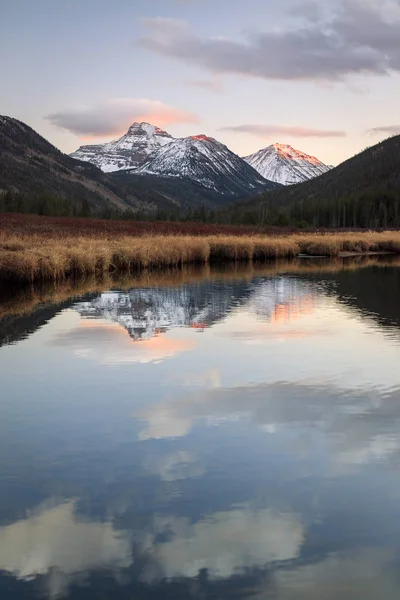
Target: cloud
[
  {"x": 54, "y": 540},
  {"x": 114, "y": 116},
  {"x": 268, "y": 131},
  {"x": 357, "y": 38},
  {"x": 385, "y": 130},
  {"x": 228, "y": 542},
  {"x": 211, "y": 85}
]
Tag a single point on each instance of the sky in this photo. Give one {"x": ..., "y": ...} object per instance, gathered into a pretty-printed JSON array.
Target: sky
[{"x": 323, "y": 77}]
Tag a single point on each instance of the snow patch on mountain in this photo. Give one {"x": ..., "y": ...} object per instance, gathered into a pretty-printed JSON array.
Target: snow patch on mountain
[
  {"x": 129, "y": 151},
  {"x": 283, "y": 164},
  {"x": 206, "y": 161},
  {"x": 148, "y": 150}
]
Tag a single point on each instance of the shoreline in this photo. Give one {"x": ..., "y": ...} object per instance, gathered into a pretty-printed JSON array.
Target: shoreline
[
  {"x": 344, "y": 254},
  {"x": 20, "y": 299},
  {"x": 35, "y": 249}
]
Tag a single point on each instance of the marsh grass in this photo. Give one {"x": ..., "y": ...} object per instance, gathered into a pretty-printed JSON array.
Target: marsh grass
[
  {"x": 334, "y": 244},
  {"x": 32, "y": 257}
]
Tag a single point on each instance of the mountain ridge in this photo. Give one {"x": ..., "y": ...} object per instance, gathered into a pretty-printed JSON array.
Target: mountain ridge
[
  {"x": 284, "y": 164},
  {"x": 146, "y": 149},
  {"x": 31, "y": 164},
  {"x": 208, "y": 162},
  {"x": 138, "y": 148},
  {"x": 37, "y": 177},
  {"x": 363, "y": 191}
]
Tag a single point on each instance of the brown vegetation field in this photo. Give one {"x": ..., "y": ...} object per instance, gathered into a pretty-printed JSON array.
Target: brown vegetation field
[
  {"x": 54, "y": 249},
  {"x": 72, "y": 226}
]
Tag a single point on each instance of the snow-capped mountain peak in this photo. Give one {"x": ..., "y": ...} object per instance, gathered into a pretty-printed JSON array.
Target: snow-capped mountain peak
[
  {"x": 289, "y": 152},
  {"x": 286, "y": 165},
  {"x": 128, "y": 151},
  {"x": 202, "y": 138},
  {"x": 149, "y": 129},
  {"x": 146, "y": 149},
  {"x": 206, "y": 161}
]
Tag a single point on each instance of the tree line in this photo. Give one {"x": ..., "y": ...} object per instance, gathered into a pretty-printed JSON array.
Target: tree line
[{"x": 370, "y": 210}]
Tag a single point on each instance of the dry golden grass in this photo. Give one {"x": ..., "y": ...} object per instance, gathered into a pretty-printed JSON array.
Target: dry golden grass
[
  {"x": 333, "y": 244},
  {"x": 33, "y": 257}
]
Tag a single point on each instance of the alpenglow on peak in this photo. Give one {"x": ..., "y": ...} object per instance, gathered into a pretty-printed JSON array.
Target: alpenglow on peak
[
  {"x": 284, "y": 164},
  {"x": 147, "y": 150}
]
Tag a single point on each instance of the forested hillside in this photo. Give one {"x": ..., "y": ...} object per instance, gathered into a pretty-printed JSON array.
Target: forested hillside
[{"x": 364, "y": 191}]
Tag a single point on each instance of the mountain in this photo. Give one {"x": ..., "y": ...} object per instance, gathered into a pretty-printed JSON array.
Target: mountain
[
  {"x": 29, "y": 164},
  {"x": 207, "y": 162},
  {"x": 283, "y": 164},
  {"x": 43, "y": 179},
  {"x": 148, "y": 150},
  {"x": 363, "y": 191},
  {"x": 168, "y": 193},
  {"x": 129, "y": 151}
]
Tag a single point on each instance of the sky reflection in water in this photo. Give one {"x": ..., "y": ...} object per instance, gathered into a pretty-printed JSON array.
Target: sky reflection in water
[{"x": 225, "y": 438}]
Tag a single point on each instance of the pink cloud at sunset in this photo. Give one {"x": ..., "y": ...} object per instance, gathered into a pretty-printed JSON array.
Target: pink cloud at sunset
[{"x": 113, "y": 117}]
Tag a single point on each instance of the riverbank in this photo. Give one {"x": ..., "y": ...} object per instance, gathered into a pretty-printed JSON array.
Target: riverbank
[
  {"x": 17, "y": 300},
  {"x": 38, "y": 254}
]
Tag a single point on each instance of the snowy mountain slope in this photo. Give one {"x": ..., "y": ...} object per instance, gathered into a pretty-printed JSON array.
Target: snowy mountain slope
[
  {"x": 129, "y": 151},
  {"x": 208, "y": 162},
  {"x": 283, "y": 164}
]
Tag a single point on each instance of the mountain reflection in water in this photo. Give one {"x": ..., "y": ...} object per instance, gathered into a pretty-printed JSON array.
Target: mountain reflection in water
[{"x": 228, "y": 436}]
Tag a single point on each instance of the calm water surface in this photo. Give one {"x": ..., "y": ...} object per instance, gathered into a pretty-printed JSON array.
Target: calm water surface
[{"x": 229, "y": 437}]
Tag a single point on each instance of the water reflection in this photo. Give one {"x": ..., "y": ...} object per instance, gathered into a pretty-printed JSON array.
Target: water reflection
[
  {"x": 109, "y": 343},
  {"x": 363, "y": 575},
  {"x": 347, "y": 417},
  {"x": 145, "y": 313},
  {"x": 227, "y": 543},
  {"x": 54, "y": 541},
  {"x": 228, "y": 437}
]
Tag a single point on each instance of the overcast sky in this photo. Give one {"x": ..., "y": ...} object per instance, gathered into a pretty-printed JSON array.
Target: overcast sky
[{"x": 321, "y": 76}]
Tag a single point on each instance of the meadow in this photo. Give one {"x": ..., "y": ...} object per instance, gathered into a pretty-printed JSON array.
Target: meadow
[{"x": 36, "y": 248}]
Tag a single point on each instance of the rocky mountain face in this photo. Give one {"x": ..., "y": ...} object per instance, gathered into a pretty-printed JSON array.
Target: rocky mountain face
[
  {"x": 283, "y": 164},
  {"x": 208, "y": 162},
  {"x": 129, "y": 151}
]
